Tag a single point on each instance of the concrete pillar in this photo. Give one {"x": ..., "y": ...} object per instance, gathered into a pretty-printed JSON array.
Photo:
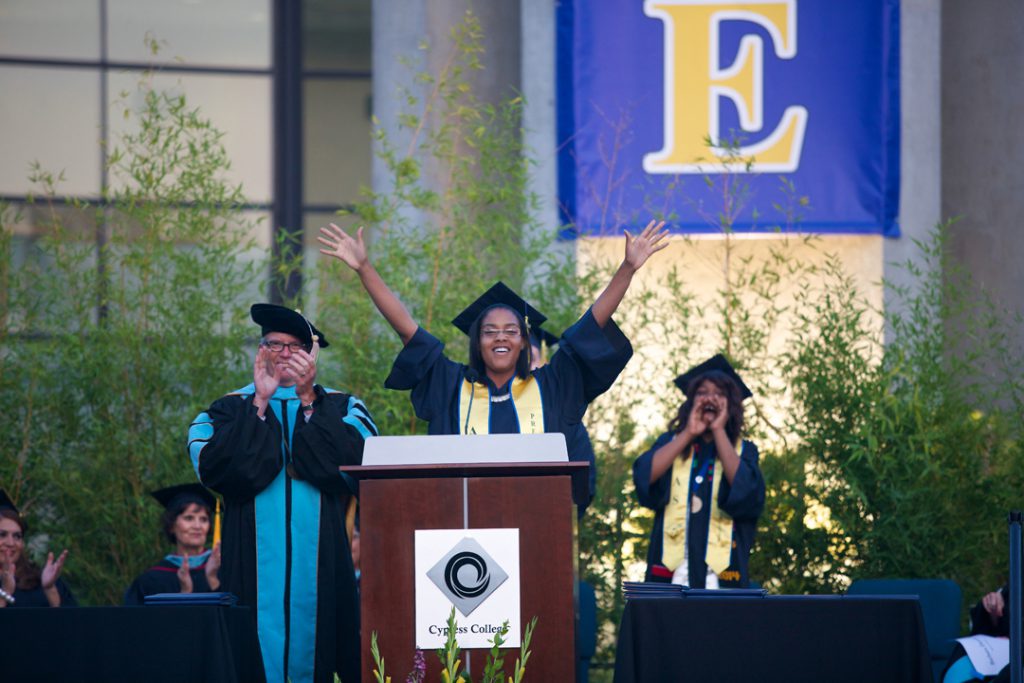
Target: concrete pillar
[
  {"x": 983, "y": 145},
  {"x": 400, "y": 26},
  {"x": 921, "y": 133}
]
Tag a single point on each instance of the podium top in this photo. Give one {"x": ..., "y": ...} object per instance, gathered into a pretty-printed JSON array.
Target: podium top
[
  {"x": 486, "y": 455},
  {"x": 455, "y": 449}
]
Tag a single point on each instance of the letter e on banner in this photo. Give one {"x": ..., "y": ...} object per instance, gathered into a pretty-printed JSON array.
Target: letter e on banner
[{"x": 695, "y": 80}]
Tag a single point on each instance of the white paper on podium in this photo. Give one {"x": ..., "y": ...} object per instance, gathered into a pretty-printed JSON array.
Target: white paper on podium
[
  {"x": 456, "y": 449},
  {"x": 989, "y": 655}
]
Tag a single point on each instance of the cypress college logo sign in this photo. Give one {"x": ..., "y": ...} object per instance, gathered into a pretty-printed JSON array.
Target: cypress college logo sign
[
  {"x": 467, "y": 575},
  {"x": 477, "y": 572}
]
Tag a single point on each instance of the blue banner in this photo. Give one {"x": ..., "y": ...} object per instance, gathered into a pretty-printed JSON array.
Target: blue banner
[{"x": 660, "y": 100}]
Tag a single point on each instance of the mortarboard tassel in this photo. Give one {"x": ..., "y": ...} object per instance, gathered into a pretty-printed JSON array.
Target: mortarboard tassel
[{"x": 216, "y": 524}]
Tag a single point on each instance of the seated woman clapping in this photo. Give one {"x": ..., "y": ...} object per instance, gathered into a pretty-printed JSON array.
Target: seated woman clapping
[
  {"x": 22, "y": 583},
  {"x": 188, "y": 511}
]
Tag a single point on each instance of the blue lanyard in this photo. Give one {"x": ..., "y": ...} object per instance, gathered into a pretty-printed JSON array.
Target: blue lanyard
[{"x": 706, "y": 470}]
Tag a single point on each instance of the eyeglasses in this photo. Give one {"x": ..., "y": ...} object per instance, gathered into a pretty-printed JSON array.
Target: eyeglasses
[
  {"x": 492, "y": 332},
  {"x": 278, "y": 346}
]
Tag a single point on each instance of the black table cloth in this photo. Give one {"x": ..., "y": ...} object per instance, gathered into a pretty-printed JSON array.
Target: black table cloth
[
  {"x": 179, "y": 644},
  {"x": 817, "y": 639}
]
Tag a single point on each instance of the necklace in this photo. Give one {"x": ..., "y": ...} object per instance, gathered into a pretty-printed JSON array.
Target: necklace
[{"x": 502, "y": 398}]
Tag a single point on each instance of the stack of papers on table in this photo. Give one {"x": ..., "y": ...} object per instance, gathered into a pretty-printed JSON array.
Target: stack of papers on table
[
  {"x": 639, "y": 590},
  {"x": 227, "y": 599}
]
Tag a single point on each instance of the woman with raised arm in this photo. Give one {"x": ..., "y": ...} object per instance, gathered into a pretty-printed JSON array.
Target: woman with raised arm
[{"x": 497, "y": 392}]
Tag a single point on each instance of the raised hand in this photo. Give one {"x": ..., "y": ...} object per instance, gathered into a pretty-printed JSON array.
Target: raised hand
[
  {"x": 648, "y": 242},
  {"x": 52, "y": 569},
  {"x": 184, "y": 578},
  {"x": 342, "y": 246}
]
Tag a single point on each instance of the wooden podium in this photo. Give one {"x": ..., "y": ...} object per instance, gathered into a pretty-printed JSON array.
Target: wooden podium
[{"x": 534, "y": 497}]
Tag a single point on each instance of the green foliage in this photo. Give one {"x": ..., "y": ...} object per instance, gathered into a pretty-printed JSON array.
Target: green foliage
[
  {"x": 122, "y": 321},
  {"x": 520, "y": 668},
  {"x": 379, "y": 673},
  {"x": 456, "y": 217},
  {"x": 451, "y": 663},
  {"x": 493, "y": 667},
  {"x": 912, "y": 446},
  {"x": 448, "y": 654}
]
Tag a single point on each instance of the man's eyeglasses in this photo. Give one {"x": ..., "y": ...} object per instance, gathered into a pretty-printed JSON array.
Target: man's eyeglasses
[
  {"x": 492, "y": 332},
  {"x": 278, "y": 346}
]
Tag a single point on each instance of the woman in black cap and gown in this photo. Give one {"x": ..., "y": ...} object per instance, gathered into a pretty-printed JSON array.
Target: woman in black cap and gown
[
  {"x": 704, "y": 484},
  {"x": 497, "y": 392},
  {"x": 186, "y": 522},
  {"x": 22, "y": 583}
]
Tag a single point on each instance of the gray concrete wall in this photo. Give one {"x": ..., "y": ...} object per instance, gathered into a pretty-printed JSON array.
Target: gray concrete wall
[
  {"x": 400, "y": 26},
  {"x": 921, "y": 139},
  {"x": 540, "y": 128},
  {"x": 983, "y": 143}
]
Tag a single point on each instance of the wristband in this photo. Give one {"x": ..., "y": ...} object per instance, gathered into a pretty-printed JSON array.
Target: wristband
[{"x": 7, "y": 597}]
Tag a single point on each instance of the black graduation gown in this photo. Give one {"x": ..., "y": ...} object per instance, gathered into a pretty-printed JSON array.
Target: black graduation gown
[
  {"x": 37, "y": 598},
  {"x": 588, "y": 360},
  {"x": 284, "y": 548},
  {"x": 163, "y": 578},
  {"x": 743, "y": 500}
]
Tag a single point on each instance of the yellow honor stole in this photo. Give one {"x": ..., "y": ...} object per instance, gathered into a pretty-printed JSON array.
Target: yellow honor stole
[
  {"x": 475, "y": 407},
  {"x": 677, "y": 517}
]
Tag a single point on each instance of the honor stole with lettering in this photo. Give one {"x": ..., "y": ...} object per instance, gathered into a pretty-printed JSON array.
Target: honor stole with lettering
[
  {"x": 677, "y": 517},
  {"x": 475, "y": 406}
]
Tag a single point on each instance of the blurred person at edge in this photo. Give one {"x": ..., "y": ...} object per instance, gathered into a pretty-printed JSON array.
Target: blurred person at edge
[{"x": 22, "y": 583}]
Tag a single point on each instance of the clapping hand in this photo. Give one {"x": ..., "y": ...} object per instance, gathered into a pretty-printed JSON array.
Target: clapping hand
[
  {"x": 184, "y": 577},
  {"x": 212, "y": 567},
  {"x": 52, "y": 569},
  {"x": 265, "y": 375},
  {"x": 8, "y": 579}
]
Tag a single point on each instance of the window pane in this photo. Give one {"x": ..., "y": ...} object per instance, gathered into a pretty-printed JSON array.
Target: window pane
[
  {"x": 197, "y": 32},
  {"x": 65, "y": 29},
  {"x": 337, "y": 131},
  {"x": 238, "y": 106},
  {"x": 336, "y": 34},
  {"x": 51, "y": 116}
]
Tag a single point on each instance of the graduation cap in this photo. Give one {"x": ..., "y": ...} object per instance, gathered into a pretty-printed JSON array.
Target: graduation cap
[
  {"x": 273, "y": 318},
  {"x": 7, "y": 503},
  {"x": 498, "y": 295},
  {"x": 716, "y": 363},
  {"x": 168, "y": 496},
  {"x": 538, "y": 334}
]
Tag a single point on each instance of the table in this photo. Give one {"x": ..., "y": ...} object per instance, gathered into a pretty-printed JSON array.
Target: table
[
  {"x": 176, "y": 643},
  {"x": 773, "y": 638}
]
